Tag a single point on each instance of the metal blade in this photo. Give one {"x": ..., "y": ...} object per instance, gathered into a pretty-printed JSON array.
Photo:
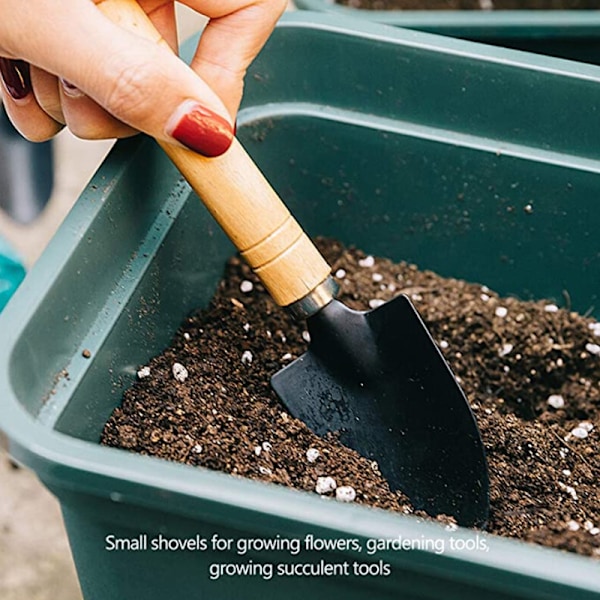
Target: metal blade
[{"x": 378, "y": 379}]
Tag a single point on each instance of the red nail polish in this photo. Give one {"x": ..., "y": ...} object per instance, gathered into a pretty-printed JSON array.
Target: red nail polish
[
  {"x": 17, "y": 79},
  {"x": 202, "y": 130}
]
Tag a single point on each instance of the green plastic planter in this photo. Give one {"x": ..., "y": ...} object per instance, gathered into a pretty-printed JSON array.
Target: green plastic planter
[
  {"x": 476, "y": 162},
  {"x": 571, "y": 34}
]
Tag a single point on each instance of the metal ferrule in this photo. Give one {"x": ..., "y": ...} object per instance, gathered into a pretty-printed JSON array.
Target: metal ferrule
[{"x": 314, "y": 301}]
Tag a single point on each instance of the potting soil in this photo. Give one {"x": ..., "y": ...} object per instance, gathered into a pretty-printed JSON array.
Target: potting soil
[{"x": 530, "y": 370}]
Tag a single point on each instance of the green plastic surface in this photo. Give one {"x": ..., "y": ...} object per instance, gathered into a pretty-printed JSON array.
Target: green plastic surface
[
  {"x": 476, "y": 162},
  {"x": 571, "y": 34}
]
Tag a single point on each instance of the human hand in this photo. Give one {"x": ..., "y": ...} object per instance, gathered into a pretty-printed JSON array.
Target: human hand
[{"x": 65, "y": 63}]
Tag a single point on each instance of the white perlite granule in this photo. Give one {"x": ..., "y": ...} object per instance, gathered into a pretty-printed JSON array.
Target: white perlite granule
[
  {"x": 568, "y": 489},
  {"x": 246, "y": 286},
  {"x": 501, "y": 311},
  {"x": 325, "y": 485},
  {"x": 312, "y": 454},
  {"x": 376, "y": 302},
  {"x": 345, "y": 493},
  {"x": 368, "y": 261},
  {"x": 581, "y": 431},
  {"x": 593, "y": 349},
  {"x": 179, "y": 372},
  {"x": 143, "y": 372},
  {"x": 556, "y": 401}
]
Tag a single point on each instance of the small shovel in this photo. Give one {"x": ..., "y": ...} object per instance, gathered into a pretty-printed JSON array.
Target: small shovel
[{"x": 375, "y": 378}]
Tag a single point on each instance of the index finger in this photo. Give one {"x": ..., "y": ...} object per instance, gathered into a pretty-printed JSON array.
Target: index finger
[{"x": 235, "y": 34}]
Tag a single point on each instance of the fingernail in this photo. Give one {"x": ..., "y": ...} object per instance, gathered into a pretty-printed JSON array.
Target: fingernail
[
  {"x": 71, "y": 90},
  {"x": 16, "y": 77},
  {"x": 200, "y": 129}
]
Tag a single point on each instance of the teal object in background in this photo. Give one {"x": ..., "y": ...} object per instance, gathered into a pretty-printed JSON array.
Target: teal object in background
[
  {"x": 571, "y": 34},
  {"x": 12, "y": 272},
  {"x": 463, "y": 158}
]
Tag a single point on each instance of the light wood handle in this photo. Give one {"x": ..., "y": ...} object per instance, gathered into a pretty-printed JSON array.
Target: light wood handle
[{"x": 240, "y": 198}]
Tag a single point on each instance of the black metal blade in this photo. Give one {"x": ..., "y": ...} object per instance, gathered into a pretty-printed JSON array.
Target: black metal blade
[{"x": 378, "y": 379}]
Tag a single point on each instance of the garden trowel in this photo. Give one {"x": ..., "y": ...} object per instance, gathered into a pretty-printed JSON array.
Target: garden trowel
[{"x": 376, "y": 378}]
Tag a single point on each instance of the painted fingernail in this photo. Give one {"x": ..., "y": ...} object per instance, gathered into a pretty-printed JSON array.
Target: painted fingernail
[
  {"x": 16, "y": 77},
  {"x": 200, "y": 129},
  {"x": 70, "y": 90}
]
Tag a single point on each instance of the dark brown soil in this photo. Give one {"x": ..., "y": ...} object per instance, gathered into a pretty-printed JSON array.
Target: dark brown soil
[
  {"x": 471, "y": 4},
  {"x": 511, "y": 356}
]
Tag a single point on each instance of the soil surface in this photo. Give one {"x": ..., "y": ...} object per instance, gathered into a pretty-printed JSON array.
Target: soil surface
[
  {"x": 471, "y": 4},
  {"x": 531, "y": 372}
]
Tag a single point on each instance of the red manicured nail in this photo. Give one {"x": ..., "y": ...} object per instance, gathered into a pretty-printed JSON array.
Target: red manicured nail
[
  {"x": 200, "y": 129},
  {"x": 16, "y": 77}
]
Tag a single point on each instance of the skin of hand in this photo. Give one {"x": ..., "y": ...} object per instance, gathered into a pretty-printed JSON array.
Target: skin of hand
[{"x": 64, "y": 63}]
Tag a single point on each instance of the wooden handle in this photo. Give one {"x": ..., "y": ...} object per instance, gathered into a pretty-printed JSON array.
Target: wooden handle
[{"x": 240, "y": 198}]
